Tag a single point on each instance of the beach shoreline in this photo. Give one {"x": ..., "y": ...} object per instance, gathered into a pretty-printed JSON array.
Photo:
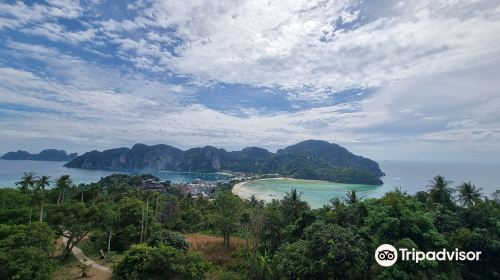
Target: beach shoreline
[
  {"x": 237, "y": 188},
  {"x": 316, "y": 192}
]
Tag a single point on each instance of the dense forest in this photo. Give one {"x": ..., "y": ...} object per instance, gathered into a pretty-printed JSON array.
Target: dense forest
[
  {"x": 144, "y": 234},
  {"x": 311, "y": 159}
]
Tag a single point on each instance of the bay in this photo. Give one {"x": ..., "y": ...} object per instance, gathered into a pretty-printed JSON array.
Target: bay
[
  {"x": 12, "y": 170},
  {"x": 411, "y": 177}
]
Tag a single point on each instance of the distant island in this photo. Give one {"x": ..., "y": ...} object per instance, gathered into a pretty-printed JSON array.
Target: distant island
[
  {"x": 48, "y": 155},
  {"x": 311, "y": 159}
]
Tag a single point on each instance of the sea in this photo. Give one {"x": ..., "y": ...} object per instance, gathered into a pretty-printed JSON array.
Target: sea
[
  {"x": 12, "y": 170},
  {"x": 410, "y": 176}
]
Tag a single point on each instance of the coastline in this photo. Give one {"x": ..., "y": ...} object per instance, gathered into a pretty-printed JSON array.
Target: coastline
[
  {"x": 237, "y": 188},
  {"x": 316, "y": 192}
]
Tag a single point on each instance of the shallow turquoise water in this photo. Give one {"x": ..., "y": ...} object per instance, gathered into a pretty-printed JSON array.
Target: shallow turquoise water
[
  {"x": 411, "y": 177},
  {"x": 316, "y": 193}
]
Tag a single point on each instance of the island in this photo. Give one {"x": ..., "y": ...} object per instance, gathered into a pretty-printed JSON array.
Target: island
[
  {"x": 311, "y": 159},
  {"x": 46, "y": 155}
]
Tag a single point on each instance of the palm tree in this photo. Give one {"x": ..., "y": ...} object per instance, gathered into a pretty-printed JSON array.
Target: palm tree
[
  {"x": 468, "y": 194},
  {"x": 336, "y": 203},
  {"x": 27, "y": 182},
  {"x": 39, "y": 195},
  {"x": 62, "y": 184},
  {"x": 440, "y": 190},
  {"x": 293, "y": 202},
  {"x": 352, "y": 197},
  {"x": 42, "y": 182}
]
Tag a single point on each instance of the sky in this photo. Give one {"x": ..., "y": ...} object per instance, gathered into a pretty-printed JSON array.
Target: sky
[{"x": 412, "y": 80}]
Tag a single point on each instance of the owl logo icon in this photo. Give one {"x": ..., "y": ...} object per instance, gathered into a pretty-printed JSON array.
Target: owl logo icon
[{"x": 386, "y": 255}]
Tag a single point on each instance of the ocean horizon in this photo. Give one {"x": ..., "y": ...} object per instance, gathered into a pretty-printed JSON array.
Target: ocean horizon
[{"x": 411, "y": 177}]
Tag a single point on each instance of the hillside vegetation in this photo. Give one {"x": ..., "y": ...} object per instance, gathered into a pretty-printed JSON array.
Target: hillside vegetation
[
  {"x": 48, "y": 155},
  {"x": 312, "y": 159},
  {"x": 230, "y": 238}
]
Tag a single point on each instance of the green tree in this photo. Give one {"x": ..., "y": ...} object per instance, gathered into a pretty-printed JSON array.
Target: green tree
[
  {"x": 292, "y": 261},
  {"x": 396, "y": 216},
  {"x": 274, "y": 223},
  {"x": 336, "y": 202},
  {"x": 336, "y": 252},
  {"x": 440, "y": 190},
  {"x": 42, "y": 182},
  {"x": 496, "y": 196},
  {"x": 228, "y": 210},
  {"x": 164, "y": 262},
  {"x": 73, "y": 221},
  {"x": 168, "y": 238},
  {"x": 26, "y": 184},
  {"x": 62, "y": 184},
  {"x": 468, "y": 194},
  {"x": 259, "y": 267},
  {"x": 25, "y": 251},
  {"x": 39, "y": 194},
  {"x": 293, "y": 204},
  {"x": 482, "y": 240},
  {"x": 128, "y": 224},
  {"x": 256, "y": 227},
  {"x": 352, "y": 197},
  {"x": 107, "y": 221}
]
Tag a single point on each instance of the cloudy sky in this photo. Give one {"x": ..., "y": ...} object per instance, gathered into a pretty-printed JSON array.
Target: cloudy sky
[{"x": 386, "y": 79}]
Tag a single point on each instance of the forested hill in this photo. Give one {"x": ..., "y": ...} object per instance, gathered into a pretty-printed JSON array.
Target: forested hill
[
  {"x": 48, "y": 154},
  {"x": 311, "y": 159}
]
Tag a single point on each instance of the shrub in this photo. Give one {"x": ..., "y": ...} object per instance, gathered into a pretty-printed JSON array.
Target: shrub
[
  {"x": 169, "y": 238},
  {"x": 25, "y": 251},
  {"x": 163, "y": 262}
]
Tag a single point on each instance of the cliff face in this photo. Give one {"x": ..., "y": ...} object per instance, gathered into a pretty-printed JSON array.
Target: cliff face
[
  {"x": 49, "y": 155},
  {"x": 139, "y": 157},
  {"x": 312, "y": 159},
  {"x": 206, "y": 159}
]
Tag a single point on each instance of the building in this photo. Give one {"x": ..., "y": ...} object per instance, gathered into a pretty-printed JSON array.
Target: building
[{"x": 151, "y": 184}]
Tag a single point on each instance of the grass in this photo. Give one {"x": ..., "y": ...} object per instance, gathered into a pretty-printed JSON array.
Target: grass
[
  {"x": 213, "y": 250},
  {"x": 227, "y": 262}
]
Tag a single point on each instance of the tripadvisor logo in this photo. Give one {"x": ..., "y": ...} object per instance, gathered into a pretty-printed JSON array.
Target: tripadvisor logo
[{"x": 387, "y": 255}]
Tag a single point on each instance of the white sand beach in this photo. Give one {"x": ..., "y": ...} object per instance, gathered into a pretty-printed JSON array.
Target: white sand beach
[{"x": 237, "y": 188}]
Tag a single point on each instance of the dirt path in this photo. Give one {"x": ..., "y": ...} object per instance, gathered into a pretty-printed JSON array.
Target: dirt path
[{"x": 77, "y": 252}]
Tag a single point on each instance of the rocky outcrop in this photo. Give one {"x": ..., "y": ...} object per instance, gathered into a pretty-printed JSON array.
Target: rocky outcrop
[
  {"x": 48, "y": 155},
  {"x": 311, "y": 159}
]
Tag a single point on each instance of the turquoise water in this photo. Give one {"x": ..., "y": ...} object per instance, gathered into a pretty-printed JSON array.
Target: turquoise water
[
  {"x": 316, "y": 193},
  {"x": 410, "y": 176},
  {"x": 12, "y": 170}
]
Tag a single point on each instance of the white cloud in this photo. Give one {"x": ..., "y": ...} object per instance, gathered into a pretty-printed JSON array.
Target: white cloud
[
  {"x": 434, "y": 64},
  {"x": 301, "y": 45},
  {"x": 56, "y": 32},
  {"x": 20, "y": 14},
  {"x": 312, "y": 48},
  {"x": 41, "y": 19},
  {"x": 80, "y": 88}
]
